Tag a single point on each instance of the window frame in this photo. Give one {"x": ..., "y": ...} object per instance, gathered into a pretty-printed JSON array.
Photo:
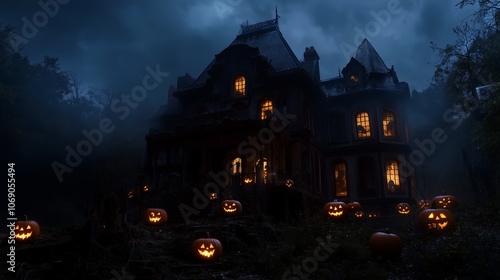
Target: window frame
[
  {"x": 235, "y": 89},
  {"x": 261, "y": 107},
  {"x": 395, "y": 127},
  {"x": 357, "y": 133},
  {"x": 346, "y": 181}
]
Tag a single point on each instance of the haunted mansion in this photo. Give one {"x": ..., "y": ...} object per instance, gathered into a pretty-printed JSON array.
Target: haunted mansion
[{"x": 258, "y": 118}]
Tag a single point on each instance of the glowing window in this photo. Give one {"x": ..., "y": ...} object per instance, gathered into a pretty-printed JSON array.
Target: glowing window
[
  {"x": 392, "y": 175},
  {"x": 389, "y": 124},
  {"x": 264, "y": 107},
  {"x": 363, "y": 125},
  {"x": 239, "y": 86},
  {"x": 236, "y": 166},
  {"x": 340, "y": 175},
  {"x": 354, "y": 78},
  {"x": 264, "y": 169}
]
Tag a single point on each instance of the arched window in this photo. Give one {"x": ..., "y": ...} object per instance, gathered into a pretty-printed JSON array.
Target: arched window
[
  {"x": 392, "y": 175},
  {"x": 236, "y": 166},
  {"x": 239, "y": 86},
  {"x": 363, "y": 125},
  {"x": 340, "y": 177},
  {"x": 266, "y": 106},
  {"x": 389, "y": 124}
]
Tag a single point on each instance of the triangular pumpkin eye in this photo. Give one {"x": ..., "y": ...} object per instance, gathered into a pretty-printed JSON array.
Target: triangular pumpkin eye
[
  {"x": 158, "y": 213},
  {"x": 28, "y": 227},
  {"x": 431, "y": 216},
  {"x": 442, "y": 215},
  {"x": 152, "y": 214},
  {"x": 211, "y": 246},
  {"x": 331, "y": 207},
  {"x": 202, "y": 246},
  {"x": 17, "y": 227}
]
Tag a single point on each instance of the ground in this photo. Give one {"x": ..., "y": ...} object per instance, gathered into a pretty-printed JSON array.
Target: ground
[{"x": 256, "y": 247}]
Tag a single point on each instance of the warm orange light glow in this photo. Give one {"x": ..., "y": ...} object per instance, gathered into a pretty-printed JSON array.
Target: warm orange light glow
[
  {"x": 354, "y": 78},
  {"x": 239, "y": 86},
  {"x": 389, "y": 124},
  {"x": 236, "y": 166},
  {"x": 392, "y": 175},
  {"x": 363, "y": 125},
  {"x": 264, "y": 107},
  {"x": 340, "y": 179}
]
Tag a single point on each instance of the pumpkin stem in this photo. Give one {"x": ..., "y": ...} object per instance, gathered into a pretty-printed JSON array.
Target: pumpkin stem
[
  {"x": 208, "y": 234},
  {"x": 25, "y": 217},
  {"x": 387, "y": 230}
]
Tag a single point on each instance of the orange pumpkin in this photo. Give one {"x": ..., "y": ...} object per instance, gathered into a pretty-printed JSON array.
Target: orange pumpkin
[
  {"x": 231, "y": 207},
  {"x": 403, "y": 208},
  {"x": 353, "y": 206},
  {"x": 26, "y": 231},
  {"x": 444, "y": 201},
  {"x": 155, "y": 216},
  {"x": 385, "y": 244},
  {"x": 336, "y": 210},
  {"x": 207, "y": 249},
  {"x": 435, "y": 220}
]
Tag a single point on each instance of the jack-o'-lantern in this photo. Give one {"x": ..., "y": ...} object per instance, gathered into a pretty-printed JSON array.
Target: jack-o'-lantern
[
  {"x": 359, "y": 214},
  {"x": 335, "y": 210},
  {"x": 248, "y": 180},
  {"x": 207, "y": 248},
  {"x": 385, "y": 244},
  {"x": 155, "y": 216},
  {"x": 26, "y": 231},
  {"x": 353, "y": 206},
  {"x": 289, "y": 183},
  {"x": 146, "y": 188},
  {"x": 423, "y": 204},
  {"x": 231, "y": 207},
  {"x": 435, "y": 220},
  {"x": 444, "y": 201},
  {"x": 213, "y": 196},
  {"x": 403, "y": 208}
]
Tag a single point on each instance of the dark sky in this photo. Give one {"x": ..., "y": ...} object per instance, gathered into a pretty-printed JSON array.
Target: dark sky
[{"x": 108, "y": 43}]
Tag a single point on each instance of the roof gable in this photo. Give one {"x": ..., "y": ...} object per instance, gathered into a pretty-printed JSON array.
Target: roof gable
[{"x": 370, "y": 59}]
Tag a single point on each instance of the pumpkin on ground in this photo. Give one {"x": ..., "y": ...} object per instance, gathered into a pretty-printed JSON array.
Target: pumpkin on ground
[
  {"x": 231, "y": 207},
  {"x": 444, "y": 201},
  {"x": 26, "y": 231},
  {"x": 385, "y": 244},
  {"x": 353, "y": 206},
  {"x": 435, "y": 220},
  {"x": 336, "y": 210},
  {"x": 289, "y": 183},
  {"x": 207, "y": 249},
  {"x": 155, "y": 216},
  {"x": 403, "y": 208}
]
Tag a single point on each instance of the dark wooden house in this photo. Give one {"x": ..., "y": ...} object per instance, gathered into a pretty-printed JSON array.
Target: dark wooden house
[{"x": 257, "y": 116}]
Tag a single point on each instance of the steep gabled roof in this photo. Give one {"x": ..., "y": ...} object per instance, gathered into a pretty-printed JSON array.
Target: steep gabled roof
[
  {"x": 267, "y": 37},
  {"x": 370, "y": 59}
]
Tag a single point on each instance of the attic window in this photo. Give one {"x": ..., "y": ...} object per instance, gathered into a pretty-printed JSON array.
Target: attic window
[
  {"x": 354, "y": 79},
  {"x": 239, "y": 87},
  {"x": 363, "y": 125}
]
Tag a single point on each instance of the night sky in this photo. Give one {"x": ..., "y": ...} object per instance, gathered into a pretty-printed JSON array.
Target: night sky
[{"x": 108, "y": 43}]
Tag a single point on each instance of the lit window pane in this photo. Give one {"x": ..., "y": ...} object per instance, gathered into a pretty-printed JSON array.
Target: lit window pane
[
  {"x": 236, "y": 166},
  {"x": 389, "y": 124},
  {"x": 266, "y": 106},
  {"x": 340, "y": 179},
  {"x": 363, "y": 125},
  {"x": 392, "y": 175},
  {"x": 239, "y": 86}
]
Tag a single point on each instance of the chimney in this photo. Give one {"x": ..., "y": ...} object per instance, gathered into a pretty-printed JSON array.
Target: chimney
[{"x": 311, "y": 63}]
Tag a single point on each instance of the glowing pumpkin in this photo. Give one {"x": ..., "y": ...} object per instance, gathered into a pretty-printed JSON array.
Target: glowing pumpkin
[
  {"x": 155, "y": 216},
  {"x": 131, "y": 194},
  {"x": 423, "y": 204},
  {"x": 373, "y": 215},
  {"x": 353, "y": 206},
  {"x": 146, "y": 188},
  {"x": 403, "y": 208},
  {"x": 289, "y": 183},
  {"x": 444, "y": 201},
  {"x": 385, "y": 244},
  {"x": 435, "y": 220},
  {"x": 359, "y": 214},
  {"x": 213, "y": 196},
  {"x": 26, "y": 231},
  {"x": 231, "y": 207},
  {"x": 336, "y": 210},
  {"x": 207, "y": 248}
]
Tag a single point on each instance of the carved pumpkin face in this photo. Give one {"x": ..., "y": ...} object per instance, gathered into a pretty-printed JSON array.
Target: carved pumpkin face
[
  {"x": 130, "y": 194},
  {"x": 336, "y": 210},
  {"x": 359, "y": 214},
  {"x": 386, "y": 244},
  {"x": 289, "y": 183},
  {"x": 213, "y": 196},
  {"x": 155, "y": 216},
  {"x": 353, "y": 206},
  {"x": 231, "y": 207},
  {"x": 435, "y": 220},
  {"x": 207, "y": 248},
  {"x": 423, "y": 204},
  {"x": 403, "y": 208},
  {"x": 248, "y": 180},
  {"x": 146, "y": 188},
  {"x": 373, "y": 215},
  {"x": 445, "y": 201},
  {"x": 26, "y": 231}
]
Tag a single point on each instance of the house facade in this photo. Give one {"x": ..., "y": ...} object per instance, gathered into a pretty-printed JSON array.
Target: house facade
[{"x": 258, "y": 117}]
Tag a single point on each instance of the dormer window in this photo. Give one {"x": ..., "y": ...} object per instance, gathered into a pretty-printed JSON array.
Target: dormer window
[
  {"x": 266, "y": 109},
  {"x": 363, "y": 125},
  {"x": 239, "y": 86},
  {"x": 354, "y": 79}
]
